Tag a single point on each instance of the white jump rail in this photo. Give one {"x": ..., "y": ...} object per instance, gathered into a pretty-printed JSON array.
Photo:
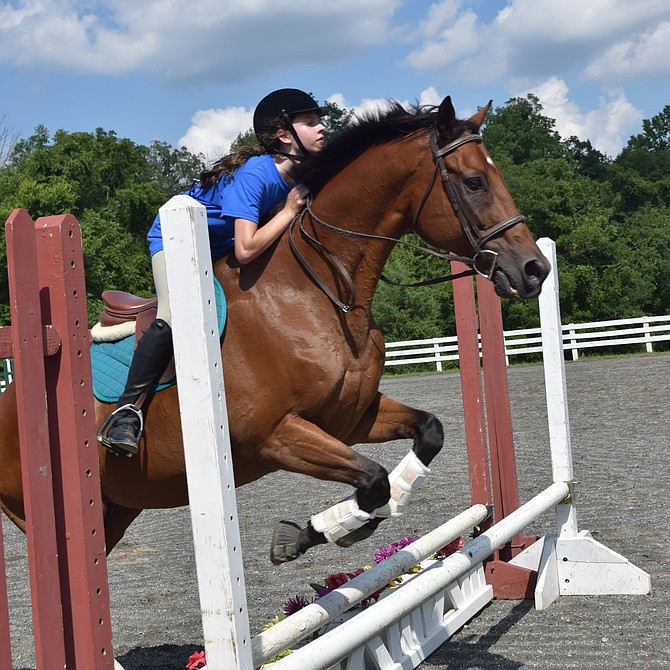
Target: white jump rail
[
  {"x": 363, "y": 634},
  {"x": 316, "y": 615},
  {"x": 400, "y": 630}
]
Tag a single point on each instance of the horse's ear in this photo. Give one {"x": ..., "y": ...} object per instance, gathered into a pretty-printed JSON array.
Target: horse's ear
[
  {"x": 446, "y": 121},
  {"x": 479, "y": 118}
]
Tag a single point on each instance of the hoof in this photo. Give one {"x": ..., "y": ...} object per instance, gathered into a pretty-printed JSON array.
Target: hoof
[
  {"x": 284, "y": 546},
  {"x": 362, "y": 533}
]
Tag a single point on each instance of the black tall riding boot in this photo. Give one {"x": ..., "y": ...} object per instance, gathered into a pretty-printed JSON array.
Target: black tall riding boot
[{"x": 122, "y": 431}]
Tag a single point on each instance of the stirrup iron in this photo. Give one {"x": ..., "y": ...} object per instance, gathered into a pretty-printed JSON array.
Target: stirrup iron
[{"x": 106, "y": 425}]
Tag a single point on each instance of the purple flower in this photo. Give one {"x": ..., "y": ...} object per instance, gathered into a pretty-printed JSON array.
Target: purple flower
[
  {"x": 383, "y": 553},
  {"x": 386, "y": 552},
  {"x": 292, "y": 605},
  {"x": 401, "y": 544}
]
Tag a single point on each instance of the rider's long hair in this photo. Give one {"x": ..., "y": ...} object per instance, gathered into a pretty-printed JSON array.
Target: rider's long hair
[{"x": 226, "y": 166}]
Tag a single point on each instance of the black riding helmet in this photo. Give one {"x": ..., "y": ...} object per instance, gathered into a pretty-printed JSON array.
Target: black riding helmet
[{"x": 282, "y": 105}]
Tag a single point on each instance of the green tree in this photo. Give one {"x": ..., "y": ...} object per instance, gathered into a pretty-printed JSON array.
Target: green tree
[
  {"x": 245, "y": 139},
  {"x": 113, "y": 186},
  {"x": 336, "y": 118},
  {"x": 641, "y": 172},
  {"x": 172, "y": 170},
  {"x": 521, "y": 132},
  {"x": 8, "y": 140},
  {"x": 588, "y": 161}
]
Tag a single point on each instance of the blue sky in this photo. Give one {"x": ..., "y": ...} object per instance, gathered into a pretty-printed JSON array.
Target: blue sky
[{"x": 190, "y": 73}]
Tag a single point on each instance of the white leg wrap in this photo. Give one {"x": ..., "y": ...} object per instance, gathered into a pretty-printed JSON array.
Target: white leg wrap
[
  {"x": 405, "y": 480},
  {"x": 340, "y": 519}
]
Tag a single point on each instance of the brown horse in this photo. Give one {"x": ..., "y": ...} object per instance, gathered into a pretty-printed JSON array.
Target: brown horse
[{"x": 302, "y": 355}]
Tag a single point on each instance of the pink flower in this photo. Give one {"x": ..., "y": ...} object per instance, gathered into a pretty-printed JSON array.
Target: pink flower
[
  {"x": 332, "y": 582},
  {"x": 196, "y": 660}
]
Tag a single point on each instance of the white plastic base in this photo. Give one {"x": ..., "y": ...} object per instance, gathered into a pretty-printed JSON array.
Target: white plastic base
[{"x": 580, "y": 566}]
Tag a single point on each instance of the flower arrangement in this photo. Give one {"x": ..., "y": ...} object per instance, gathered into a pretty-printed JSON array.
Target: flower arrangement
[{"x": 335, "y": 580}]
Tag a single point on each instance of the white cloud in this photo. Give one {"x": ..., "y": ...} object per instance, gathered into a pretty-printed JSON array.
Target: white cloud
[
  {"x": 181, "y": 41},
  {"x": 57, "y": 34},
  {"x": 540, "y": 38},
  {"x": 643, "y": 55},
  {"x": 607, "y": 127},
  {"x": 608, "y": 42},
  {"x": 556, "y": 104},
  {"x": 450, "y": 37},
  {"x": 430, "y": 96},
  {"x": 212, "y": 131},
  {"x": 612, "y": 123}
]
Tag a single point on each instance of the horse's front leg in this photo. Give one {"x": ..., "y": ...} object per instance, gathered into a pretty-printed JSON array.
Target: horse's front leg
[
  {"x": 300, "y": 446},
  {"x": 386, "y": 420}
]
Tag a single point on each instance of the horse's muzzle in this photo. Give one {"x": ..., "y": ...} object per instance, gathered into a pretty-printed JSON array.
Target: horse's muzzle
[{"x": 522, "y": 283}]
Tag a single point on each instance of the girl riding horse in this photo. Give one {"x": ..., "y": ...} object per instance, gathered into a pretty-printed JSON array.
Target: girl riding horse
[{"x": 238, "y": 191}]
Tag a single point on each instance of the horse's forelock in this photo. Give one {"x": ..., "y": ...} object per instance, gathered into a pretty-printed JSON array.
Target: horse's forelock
[{"x": 371, "y": 128}]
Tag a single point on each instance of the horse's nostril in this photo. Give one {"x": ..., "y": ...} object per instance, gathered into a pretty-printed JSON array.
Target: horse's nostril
[{"x": 536, "y": 270}]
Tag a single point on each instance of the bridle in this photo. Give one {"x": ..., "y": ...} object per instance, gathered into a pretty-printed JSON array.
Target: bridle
[{"x": 476, "y": 237}]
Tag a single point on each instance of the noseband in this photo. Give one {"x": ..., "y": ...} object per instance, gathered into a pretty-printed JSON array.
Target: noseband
[{"x": 476, "y": 237}]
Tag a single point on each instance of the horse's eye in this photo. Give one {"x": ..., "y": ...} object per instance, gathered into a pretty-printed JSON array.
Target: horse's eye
[{"x": 474, "y": 183}]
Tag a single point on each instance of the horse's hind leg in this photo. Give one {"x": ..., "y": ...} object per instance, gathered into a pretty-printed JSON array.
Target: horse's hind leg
[{"x": 300, "y": 446}]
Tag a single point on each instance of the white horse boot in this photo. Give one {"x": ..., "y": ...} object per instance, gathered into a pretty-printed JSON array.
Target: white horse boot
[
  {"x": 405, "y": 480},
  {"x": 340, "y": 519}
]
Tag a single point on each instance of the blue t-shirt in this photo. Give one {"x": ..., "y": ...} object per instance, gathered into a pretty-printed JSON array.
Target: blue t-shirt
[{"x": 250, "y": 193}]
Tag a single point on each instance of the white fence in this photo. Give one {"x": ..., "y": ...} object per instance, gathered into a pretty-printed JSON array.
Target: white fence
[
  {"x": 644, "y": 330},
  {"x": 6, "y": 373}
]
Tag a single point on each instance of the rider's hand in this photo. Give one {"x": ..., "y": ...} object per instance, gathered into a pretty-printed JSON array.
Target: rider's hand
[{"x": 296, "y": 199}]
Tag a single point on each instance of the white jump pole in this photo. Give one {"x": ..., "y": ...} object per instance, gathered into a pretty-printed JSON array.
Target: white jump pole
[
  {"x": 316, "y": 615},
  {"x": 337, "y": 644},
  {"x": 211, "y": 485},
  {"x": 569, "y": 562}
]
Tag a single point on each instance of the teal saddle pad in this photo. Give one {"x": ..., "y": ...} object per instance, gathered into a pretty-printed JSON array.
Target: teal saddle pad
[{"x": 110, "y": 361}]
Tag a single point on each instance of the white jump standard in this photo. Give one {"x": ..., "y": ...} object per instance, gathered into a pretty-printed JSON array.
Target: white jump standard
[{"x": 569, "y": 562}]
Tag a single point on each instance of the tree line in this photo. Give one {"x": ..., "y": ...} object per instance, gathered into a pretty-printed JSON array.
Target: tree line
[{"x": 610, "y": 217}]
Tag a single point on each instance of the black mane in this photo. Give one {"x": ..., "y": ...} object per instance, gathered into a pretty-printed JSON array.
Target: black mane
[{"x": 369, "y": 130}]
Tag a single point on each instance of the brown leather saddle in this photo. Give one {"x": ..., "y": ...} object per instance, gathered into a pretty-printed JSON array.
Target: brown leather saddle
[{"x": 121, "y": 307}]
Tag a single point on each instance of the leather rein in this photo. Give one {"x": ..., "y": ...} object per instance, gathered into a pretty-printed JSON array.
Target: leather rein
[{"x": 476, "y": 237}]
